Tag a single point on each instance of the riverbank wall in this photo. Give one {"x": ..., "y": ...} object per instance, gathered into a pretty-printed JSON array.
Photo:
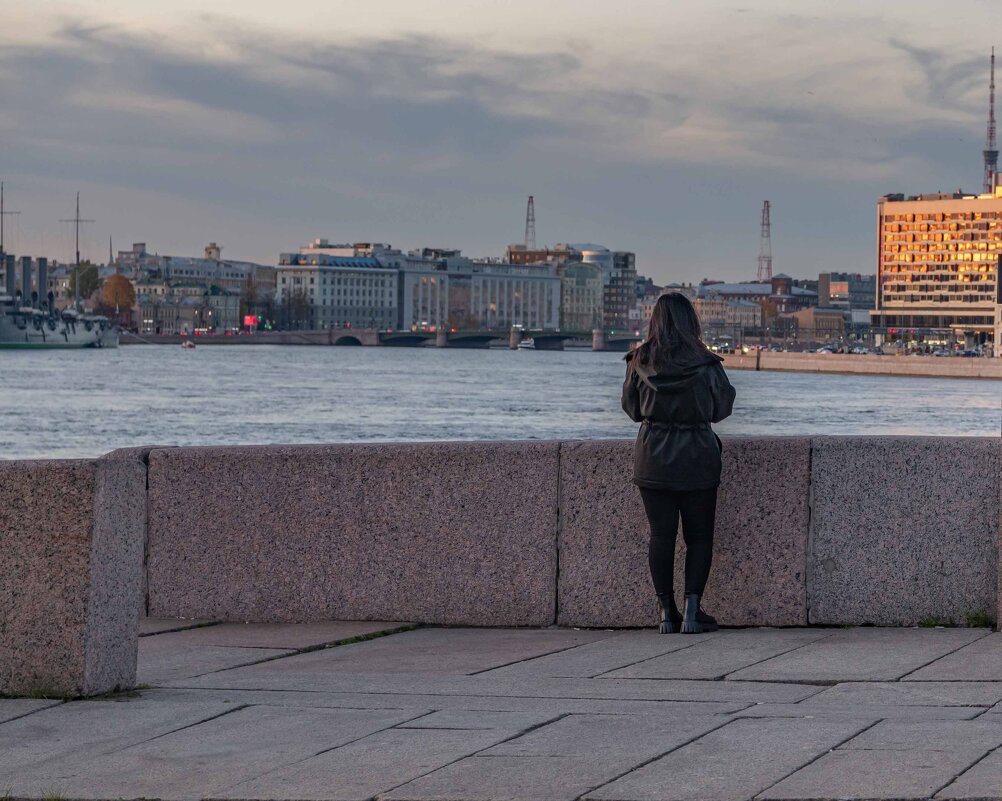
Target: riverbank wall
[
  {"x": 823, "y": 531},
  {"x": 851, "y": 364},
  {"x": 914, "y": 366}
]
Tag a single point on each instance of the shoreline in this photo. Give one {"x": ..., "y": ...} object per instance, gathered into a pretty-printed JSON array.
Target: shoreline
[{"x": 765, "y": 361}]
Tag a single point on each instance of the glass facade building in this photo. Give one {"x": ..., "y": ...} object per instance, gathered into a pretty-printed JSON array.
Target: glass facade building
[{"x": 938, "y": 267}]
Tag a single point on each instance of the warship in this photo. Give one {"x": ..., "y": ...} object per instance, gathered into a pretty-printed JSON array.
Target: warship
[{"x": 30, "y": 321}]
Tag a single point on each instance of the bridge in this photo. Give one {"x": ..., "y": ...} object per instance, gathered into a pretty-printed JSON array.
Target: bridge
[{"x": 541, "y": 339}]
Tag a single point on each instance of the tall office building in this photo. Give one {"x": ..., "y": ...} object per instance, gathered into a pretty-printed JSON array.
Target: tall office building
[{"x": 938, "y": 267}]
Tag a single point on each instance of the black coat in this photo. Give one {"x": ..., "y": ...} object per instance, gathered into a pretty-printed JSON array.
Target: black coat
[{"x": 676, "y": 449}]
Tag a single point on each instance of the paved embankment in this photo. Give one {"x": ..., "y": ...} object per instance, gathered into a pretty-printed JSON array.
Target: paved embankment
[
  {"x": 915, "y": 366},
  {"x": 437, "y": 714}
]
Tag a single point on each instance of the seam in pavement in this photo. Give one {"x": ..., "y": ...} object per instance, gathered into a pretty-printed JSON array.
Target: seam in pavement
[
  {"x": 647, "y": 762},
  {"x": 944, "y": 656},
  {"x": 541, "y": 656},
  {"x": 32, "y": 711},
  {"x": 478, "y": 695},
  {"x": 286, "y": 765},
  {"x": 192, "y": 627},
  {"x": 814, "y": 759},
  {"x": 723, "y": 676},
  {"x": 980, "y": 759},
  {"x": 515, "y": 736},
  {"x": 647, "y": 659},
  {"x": 290, "y": 652},
  {"x": 224, "y": 713}
]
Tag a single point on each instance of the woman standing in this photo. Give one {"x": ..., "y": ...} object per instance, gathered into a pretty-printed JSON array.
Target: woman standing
[{"x": 676, "y": 387}]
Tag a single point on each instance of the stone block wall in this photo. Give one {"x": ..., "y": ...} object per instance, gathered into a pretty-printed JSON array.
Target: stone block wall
[
  {"x": 454, "y": 533},
  {"x": 71, "y": 544}
]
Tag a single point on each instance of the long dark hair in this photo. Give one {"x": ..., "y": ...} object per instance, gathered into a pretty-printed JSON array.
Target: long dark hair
[{"x": 674, "y": 333}]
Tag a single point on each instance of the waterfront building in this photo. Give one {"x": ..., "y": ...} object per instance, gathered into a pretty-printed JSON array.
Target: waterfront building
[
  {"x": 938, "y": 267},
  {"x": 457, "y": 292},
  {"x": 581, "y": 297},
  {"x": 560, "y": 254},
  {"x": 211, "y": 269},
  {"x": 619, "y": 301},
  {"x": 720, "y": 314},
  {"x": 323, "y": 290},
  {"x": 780, "y": 294},
  {"x": 185, "y": 306},
  {"x": 813, "y": 324}
]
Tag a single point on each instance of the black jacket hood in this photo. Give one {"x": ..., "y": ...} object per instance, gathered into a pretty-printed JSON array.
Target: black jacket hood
[{"x": 677, "y": 375}]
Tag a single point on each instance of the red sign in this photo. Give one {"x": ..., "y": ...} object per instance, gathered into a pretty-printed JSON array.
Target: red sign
[{"x": 251, "y": 320}]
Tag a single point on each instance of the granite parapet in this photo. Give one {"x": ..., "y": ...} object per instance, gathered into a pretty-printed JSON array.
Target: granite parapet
[
  {"x": 760, "y": 549},
  {"x": 71, "y": 534},
  {"x": 460, "y": 533}
]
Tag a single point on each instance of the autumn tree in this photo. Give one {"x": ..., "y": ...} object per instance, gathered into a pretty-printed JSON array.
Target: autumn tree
[
  {"x": 117, "y": 293},
  {"x": 89, "y": 280}
]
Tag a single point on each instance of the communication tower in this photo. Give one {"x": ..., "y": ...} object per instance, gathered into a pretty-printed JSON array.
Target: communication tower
[
  {"x": 765, "y": 247},
  {"x": 991, "y": 152}
]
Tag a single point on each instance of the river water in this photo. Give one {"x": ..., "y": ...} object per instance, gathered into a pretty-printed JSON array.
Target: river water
[{"x": 85, "y": 403}]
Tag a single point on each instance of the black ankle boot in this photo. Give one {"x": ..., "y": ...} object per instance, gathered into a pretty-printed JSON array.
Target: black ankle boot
[
  {"x": 669, "y": 617},
  {"x": 694, "y": 619}
]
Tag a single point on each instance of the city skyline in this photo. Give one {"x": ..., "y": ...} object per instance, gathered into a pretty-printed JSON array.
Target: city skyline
[{"x": 658, "y": 131}]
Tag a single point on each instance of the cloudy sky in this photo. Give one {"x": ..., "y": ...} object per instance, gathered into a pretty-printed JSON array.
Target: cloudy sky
[{"x": 653, "y": 126}]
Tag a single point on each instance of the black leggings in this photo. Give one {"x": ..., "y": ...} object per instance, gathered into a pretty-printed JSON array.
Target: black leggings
[{"x": 698, "y": 510}]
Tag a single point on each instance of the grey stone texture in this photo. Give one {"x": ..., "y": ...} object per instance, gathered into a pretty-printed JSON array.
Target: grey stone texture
[
  {"x": 760, "y": 549},
  {"x": 927, "y": 547},
  {"x": 71, "y": 552},
  {"x": 864, "y": 654},
  {"x": 982, "y": 780},
  {"x": 980, "y": 661},
  {"x": 733, "y": 763},
  {"x": 437, "y": 714},
  {"x": 149, "y": 626},
  {"x": 721, "y": 654},
  {"x": 457, "y": 533},
  {"x": 288, "y": 636}
]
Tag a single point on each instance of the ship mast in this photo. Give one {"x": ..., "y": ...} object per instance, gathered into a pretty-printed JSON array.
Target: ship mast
[
  {"x": 3, "y": 214},
  {"x": 76, "y": 279}
]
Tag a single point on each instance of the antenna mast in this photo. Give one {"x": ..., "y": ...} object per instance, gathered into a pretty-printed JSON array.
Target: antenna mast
[
  {"x": 76, "y": 274},
  {"x": 991, "y": 152},
  {"x": 2, "y": 215},
  {"x": 765, "y": 246},
  {"x": 530, "y": 225}
]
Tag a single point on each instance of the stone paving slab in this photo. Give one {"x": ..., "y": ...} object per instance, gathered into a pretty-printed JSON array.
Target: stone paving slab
[
  {"x": 862, "y": 654},
  {"x": 982, "y": 780},
  {"x": 162, "y": 659},
  {"x": 161, "y": 625},
  {"x": 11, "y": 708},
  {"x": 879, "y": 774},
  {"x": 82, "y": 729},
  {"x": 381, "y": 762},
  {"x": 206, "y": 759},
  {"x": 979, "y": 661},
  {"x": 561, "y": 760},
  {"x": 263, "y": 677},
  {"x": 618, "y": 650},
  {"x": 895, "y": 759},
  {"x": 866, "y": 712},
  {"x": 433, "y": 651},
  {"x": 282, "y": 636},
  {"x": 490, "y": 703},
  {"x": 733, "y": 763},
  {"x": 907, "y": 693},
  {"x": 719, "y": 655}
]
